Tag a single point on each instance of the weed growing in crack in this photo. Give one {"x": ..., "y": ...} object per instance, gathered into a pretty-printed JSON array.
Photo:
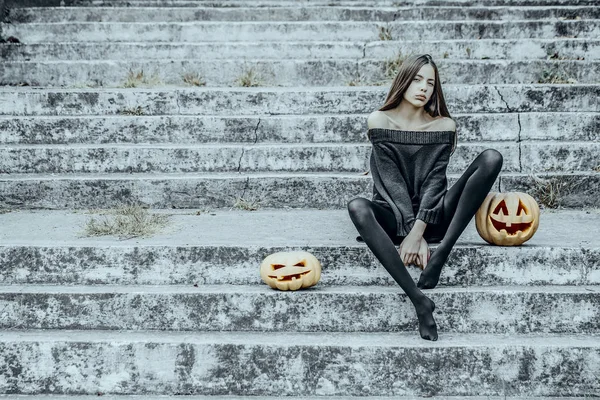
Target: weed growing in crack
[
  {"x": 358, "y": 80},
  {"x": 139, "y": 78},
  {"x": 129, "y": 221},
  {"x": 385, "y": 32},
  {"x": 391, "y": 66},
  {"x": 551, "y": 191},
  {"x": 251, "y": 78},
  {"x": 246, "y": 204},
  {"x": 193, "y": 79}
]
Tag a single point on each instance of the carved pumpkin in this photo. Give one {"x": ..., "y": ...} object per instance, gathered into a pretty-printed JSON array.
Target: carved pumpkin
[
  {"x": 507, "y": 219},
  {"x": 290, "y": 270}
]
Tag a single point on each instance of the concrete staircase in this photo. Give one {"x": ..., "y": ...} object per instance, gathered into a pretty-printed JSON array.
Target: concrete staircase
[{"x": 99, "y": 106}]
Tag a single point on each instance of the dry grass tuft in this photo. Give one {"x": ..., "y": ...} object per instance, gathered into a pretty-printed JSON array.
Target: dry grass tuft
[
  {"x": 551, "y": 191},
  {"x": 248, "y": 205},
  {"x": 193, "y": 79},
  {"x": 251, "y": 78},
  {"x": 392, "y": 65},
  {"x": 385, "y": 32},
  {"x": 137, "y": 79},
  {"x": 358, "y": 80},
  {"x": 129, "y": 221}
]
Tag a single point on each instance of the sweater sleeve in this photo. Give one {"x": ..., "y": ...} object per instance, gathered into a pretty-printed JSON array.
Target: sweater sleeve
[
  {"x": 391, "y": 187},
  {"x": 432, "y": 192}
]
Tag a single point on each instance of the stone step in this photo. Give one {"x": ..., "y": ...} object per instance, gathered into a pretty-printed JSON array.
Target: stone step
[
  {"x": 297, "y": 364},
  {"x": 296, "y": 31},
  {"x": 289, "y": 101},
  {"x": 226, "y": 397},
  {"x": 268, "y": 190},
  {"x": 332, "y": 157},
  {"x": 289, "y": 73},
  {"x": 494, "y": 49},
  {"x": 309, "y": 128},
  {"x": 221, "y": 247},
  {"x": 296, "y": 3},
  {"x": 534, "y": 157},
  {"x": 503, "y": 310},
  {"x": 209, "y": 397},
  {"x": 91, "y": 262},
  {"x": 295, "y": 13}
]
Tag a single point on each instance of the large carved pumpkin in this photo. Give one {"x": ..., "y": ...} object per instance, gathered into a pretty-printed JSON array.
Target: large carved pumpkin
[
  {"x": 507, "y": 219},
  {"x": 290, "y": 270}
]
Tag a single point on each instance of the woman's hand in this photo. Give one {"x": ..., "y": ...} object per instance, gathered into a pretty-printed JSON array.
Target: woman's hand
[
  {"x": 409, "y": 249},
  {"x": 424, "y": 254}
]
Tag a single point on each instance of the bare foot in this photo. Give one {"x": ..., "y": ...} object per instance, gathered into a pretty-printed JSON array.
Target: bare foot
[{"x": 427, "y": 326}]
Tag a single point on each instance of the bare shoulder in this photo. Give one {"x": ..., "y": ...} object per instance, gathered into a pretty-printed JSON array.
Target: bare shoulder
[
  {"x": 445, "y": 124},
  {"x": 377, "y": 119}
]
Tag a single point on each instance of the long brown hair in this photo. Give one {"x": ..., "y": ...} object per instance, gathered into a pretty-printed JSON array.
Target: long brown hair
[{"x": 436, "y": 106}]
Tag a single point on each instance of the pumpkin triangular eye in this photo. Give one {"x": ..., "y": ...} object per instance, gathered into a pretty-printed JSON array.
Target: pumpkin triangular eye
[
  {"x": 501, "y": 207},
  {"x": 300, "y": 264},
  {"x": 521, "y": 208},
  {"x": 277, "y": 266}
]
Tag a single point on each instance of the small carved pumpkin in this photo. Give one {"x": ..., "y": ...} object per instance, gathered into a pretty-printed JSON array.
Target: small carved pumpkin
[
  {"x": 507, "y": 219},
  {"x": 290, "y": 270}
]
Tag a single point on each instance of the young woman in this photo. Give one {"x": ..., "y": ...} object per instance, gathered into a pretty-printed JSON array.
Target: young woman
[{"x": 412, "y": 138}]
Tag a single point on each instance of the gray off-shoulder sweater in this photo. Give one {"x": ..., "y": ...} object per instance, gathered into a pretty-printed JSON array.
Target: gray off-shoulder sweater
[{"x": 409, "y": 173}]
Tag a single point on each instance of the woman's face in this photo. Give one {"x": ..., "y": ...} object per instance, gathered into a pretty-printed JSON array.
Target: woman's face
[{"x": 421, "y": 85}]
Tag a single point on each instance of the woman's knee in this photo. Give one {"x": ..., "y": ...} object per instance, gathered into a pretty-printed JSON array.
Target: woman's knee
[
  {"x": 492, "y": 160},
  {"x": 359, "y": 209}
]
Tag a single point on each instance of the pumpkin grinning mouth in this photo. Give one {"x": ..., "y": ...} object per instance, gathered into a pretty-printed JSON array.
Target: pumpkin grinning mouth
[
  {"x": 513, "y": 229},
  {"x": 289, "y": 277}
]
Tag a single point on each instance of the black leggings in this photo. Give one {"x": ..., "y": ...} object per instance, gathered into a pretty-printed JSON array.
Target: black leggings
[{"x": 377, "y": 224}]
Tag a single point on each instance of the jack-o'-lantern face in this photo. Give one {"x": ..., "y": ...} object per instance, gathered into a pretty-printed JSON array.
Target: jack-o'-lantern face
[
  {"x": 290, "y": 270},
  {"x": 507, "y": 219}
]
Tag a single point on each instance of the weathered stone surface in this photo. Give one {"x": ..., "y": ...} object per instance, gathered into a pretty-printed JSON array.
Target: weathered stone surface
[
  {"x": 289, "y": 101},
  {"x": 219, "y": 190},
  {"x": 291, "y": 73},
  {"x": 297, "y": 31},
  {"x": 289, "y": 364},
  {"x": 296, "y": 3},
  {"x": 343, "y": 128},
  {"x": 155, "y": 264},
  {"x": 227, "y": 397},
  {"x": 544, "y": 156},
  {"x": 183, "y": 51},
  {"x": 319, "y": 308},
  {"x": 533, "y": 48},
  {"x": 532, "y": 157},
  {"x": 166, "y": 158},
  {"x": 299, "y": 13},
  {"x": 504, "y": 49},
  {"x": 113, "y": 73}
]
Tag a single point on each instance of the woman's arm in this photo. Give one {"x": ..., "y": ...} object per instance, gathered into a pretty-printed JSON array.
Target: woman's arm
[{"x": 411, "y": 245}]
